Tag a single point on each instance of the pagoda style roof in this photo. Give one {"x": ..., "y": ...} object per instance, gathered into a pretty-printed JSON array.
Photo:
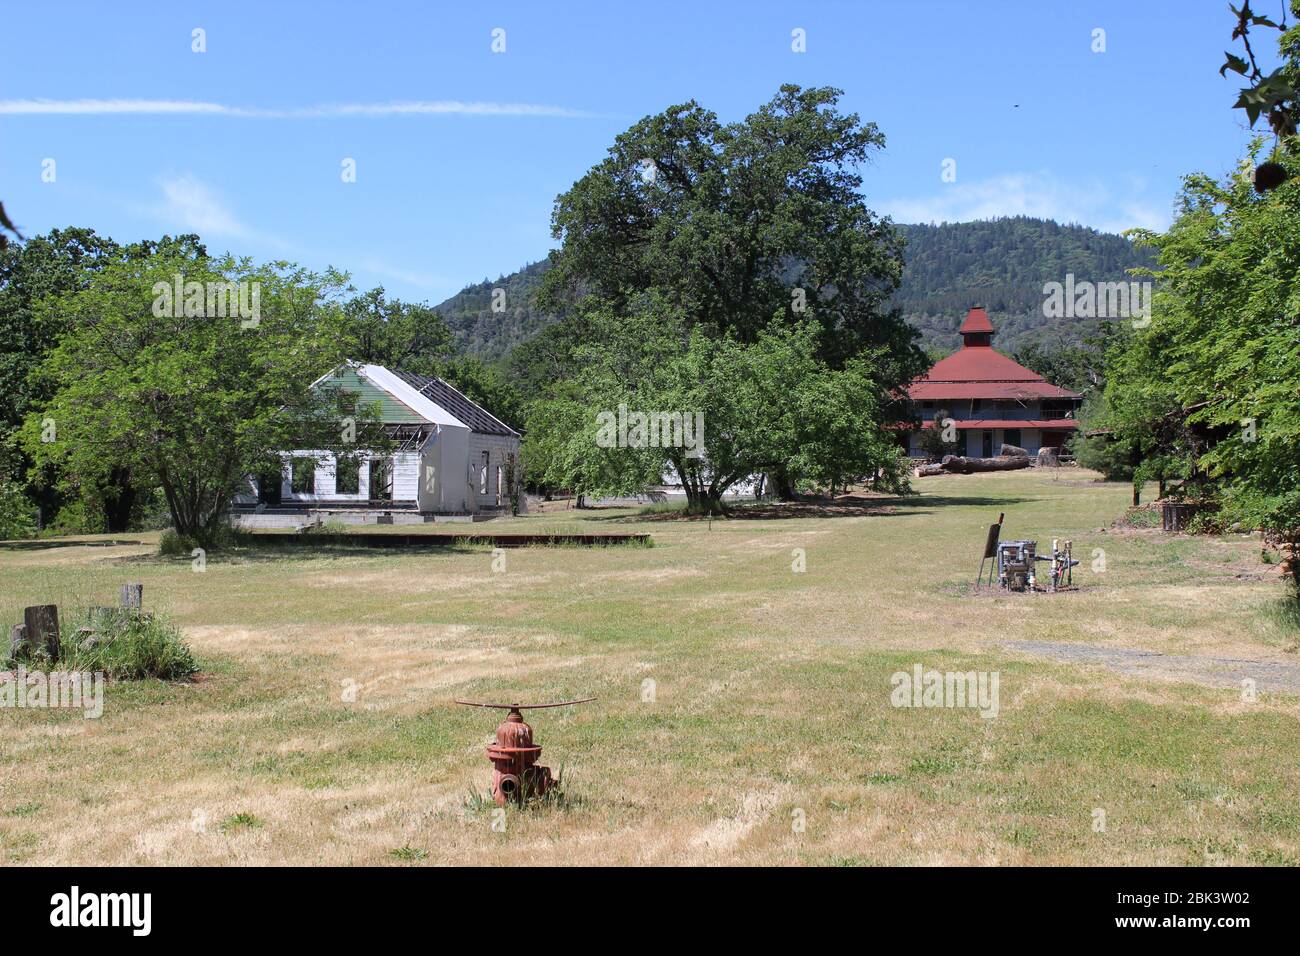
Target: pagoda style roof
[
  {"x": 977, "y": 320},
  {"x": 977, "y": 370}
]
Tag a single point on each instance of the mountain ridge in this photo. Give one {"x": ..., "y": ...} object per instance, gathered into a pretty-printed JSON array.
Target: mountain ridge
[{"x": 1000, "y": 264}]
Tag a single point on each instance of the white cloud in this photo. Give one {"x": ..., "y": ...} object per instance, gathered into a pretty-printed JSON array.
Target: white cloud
[
  {"x": 192, "y": 206},
  {"x": 1033, "y": 194},
  {"x": 421, "y": 280},
  {"x": 94, "y": 107}
]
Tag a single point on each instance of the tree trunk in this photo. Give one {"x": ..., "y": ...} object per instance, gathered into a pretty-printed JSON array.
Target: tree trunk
[
  {"x": 964, "y": 466},
  {"x": 704, "y": 503},
  {"x": 42, "y": 623},
  {"x": 118, "y": 496},
  {"x": 782, "y": 486},
  {"x": 117, "y": 515}
]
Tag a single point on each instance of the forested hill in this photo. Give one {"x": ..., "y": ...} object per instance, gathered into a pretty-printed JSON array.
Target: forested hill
[{"x": 1000, "y": 264}]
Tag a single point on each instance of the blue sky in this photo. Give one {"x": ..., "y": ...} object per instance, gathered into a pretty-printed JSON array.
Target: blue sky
[{"x": 244, "y": 143}]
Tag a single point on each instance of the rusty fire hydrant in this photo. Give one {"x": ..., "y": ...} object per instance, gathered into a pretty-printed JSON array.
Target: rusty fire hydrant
[{"x": 516, "y": 775}]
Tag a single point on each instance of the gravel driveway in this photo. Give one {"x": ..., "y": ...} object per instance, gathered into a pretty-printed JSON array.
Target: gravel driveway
[{"x": 1211, "y": 671}]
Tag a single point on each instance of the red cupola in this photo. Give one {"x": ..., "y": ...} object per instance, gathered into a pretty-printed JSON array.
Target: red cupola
[{"x": 976, "y": 331}]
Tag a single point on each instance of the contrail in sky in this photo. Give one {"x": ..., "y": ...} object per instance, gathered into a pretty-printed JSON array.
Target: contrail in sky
[{"x": 94, "y": 107}]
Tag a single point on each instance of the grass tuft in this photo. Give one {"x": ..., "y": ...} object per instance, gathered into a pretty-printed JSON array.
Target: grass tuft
[
  {"x": 408, "y": 854},
  {"x": 125, "y": 645},
  {"x": 240, "y": 821}
]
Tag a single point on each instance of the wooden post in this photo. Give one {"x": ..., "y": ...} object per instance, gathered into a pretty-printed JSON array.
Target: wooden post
[
  {"x": 19, "y": 644},
  {"x": 133, "y": 596},
  {"x": 42, "y": 623}
]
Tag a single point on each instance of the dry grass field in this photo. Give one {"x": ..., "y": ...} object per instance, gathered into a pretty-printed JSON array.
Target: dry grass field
[{"x": 322, "y": 730}]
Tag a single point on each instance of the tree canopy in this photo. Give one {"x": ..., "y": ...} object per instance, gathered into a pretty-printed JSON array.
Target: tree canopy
[
  {"x": 729, "y": 224},
  {"x": 730, "y": 271},
  {"x": 1207, "y": 393},
  {"x": 186, "y": 399}
]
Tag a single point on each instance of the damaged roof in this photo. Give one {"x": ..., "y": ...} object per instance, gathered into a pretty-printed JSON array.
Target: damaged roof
[{"x": 444, "y": 395}]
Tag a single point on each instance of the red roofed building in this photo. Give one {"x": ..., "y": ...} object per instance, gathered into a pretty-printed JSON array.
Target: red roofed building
[{"x": 992, "y": 399}]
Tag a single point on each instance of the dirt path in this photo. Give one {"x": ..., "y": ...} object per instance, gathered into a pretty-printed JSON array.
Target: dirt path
[{"x": 1211, "y": 671}]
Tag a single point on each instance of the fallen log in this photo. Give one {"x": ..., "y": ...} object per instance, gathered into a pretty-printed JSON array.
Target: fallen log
[{"x": 964, "y": 466}]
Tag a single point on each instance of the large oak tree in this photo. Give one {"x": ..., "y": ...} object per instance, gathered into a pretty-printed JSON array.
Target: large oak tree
[{"x": 731, "y": 223}]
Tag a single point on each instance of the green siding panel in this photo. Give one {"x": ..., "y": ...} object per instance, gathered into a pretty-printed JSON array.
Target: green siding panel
[{"x": 392, "y": 411}]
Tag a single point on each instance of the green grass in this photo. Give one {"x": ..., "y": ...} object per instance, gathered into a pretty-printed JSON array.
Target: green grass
[
  {"x": 125, "y": 645},
  {"x": 772, "y": 692},
  {"x": 240, "y": 821},
  {"x": 408, "y": 854}
]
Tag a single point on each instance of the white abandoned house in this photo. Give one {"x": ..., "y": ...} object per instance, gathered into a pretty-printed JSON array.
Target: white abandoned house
[{"x": 453, "y": 461}]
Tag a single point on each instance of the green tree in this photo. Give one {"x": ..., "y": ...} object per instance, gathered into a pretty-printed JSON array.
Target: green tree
[
  {"x": 744, "y": 408},
  {"x": 17, "y": 519},
  {"x": 1207, "y": 392},
  {"x": 931, "y": 440},
  {"x": 730, "y": 224},
  {"x": 188, "y": 400},
  {"x": 397, "y": 334},
  {"x": 30, "y": 271},
  {"x": 702, "y": 235},
  {"x": 1214, "y": 377}
]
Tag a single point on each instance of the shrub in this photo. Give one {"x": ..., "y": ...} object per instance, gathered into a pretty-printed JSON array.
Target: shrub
[
  {"x": 150, "y": 513},
  {"x": 17, "y": 513},
  {"x": 1143, "y": 516},
  {"x": 1112, "y": 457},
  {"x": 172, "y": 544},
  {"x": 326, "y": 528},
  {"x": 1210, "y": 521},
  {"x": 240, "y": 821},
  {"x": 930, "y": 439},
  {"x": 126, "y": 645}
]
